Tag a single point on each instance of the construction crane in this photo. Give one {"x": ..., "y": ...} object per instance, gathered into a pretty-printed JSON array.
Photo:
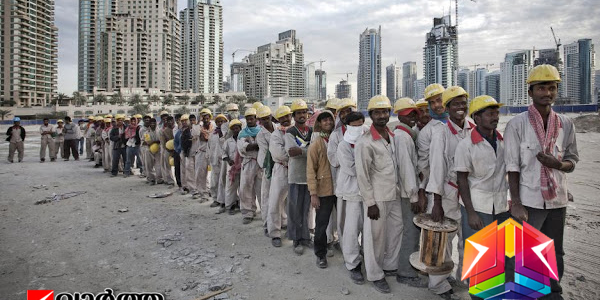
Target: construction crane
[
  {"x": 456, "y": 28},
  {"x": 234, "y": 52},
  {"x": 558, "y": 44},
  {"x": 347, "y": 75}
]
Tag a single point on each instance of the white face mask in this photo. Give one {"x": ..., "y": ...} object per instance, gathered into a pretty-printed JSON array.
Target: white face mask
[
  {"x": 353, "y": 133},
  {"x": 234, "y": 114}
]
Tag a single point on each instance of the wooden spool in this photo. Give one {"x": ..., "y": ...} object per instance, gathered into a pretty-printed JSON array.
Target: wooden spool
[{"x": 431, "y": 257}]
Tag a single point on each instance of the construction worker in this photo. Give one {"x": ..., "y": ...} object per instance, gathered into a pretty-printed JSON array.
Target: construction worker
[
  {"x": 127, "y": 121},
  {"x": 107, "y": 145},
  {"x": 232, "y": 113},
  {"x": 59, "y": 139},
  {"x": 234, "y": 165},
  {"x": 97, "y": 148},
  {"x": 133, "y": 141},
  {"x": 279, "y": 180},
  {"x": 81, "y": 139},
  {"x": 332, "y": 106},
  {"x": 89, "y": 135},
  {"x": 119, "y": 150},
  {"x": 251, "y": 177},
  {"x": 540, "y": 149},
  {"x": 16, "y": 137},
  {"x": 72, "y": 136},
  {"x": 297, "y": 140},
  {"x": 376, "y": 174},
  {"x": 144, "y": 145},
  {"x": 343, "y": 108},
  {"x": 151, "y": 163},
  {"x": 442, "y": 182},
  {"x": 47, "y": 133},
  {"x": 201, "y": 133},
  {"x": 215, "y": 154},
  {"x": 265, "y": 160},
  {"x": 424, "y": 116},
  {"x": 139, "y": 162},
  {"x": 320, "y": 183},
  {"x": 183, "y": 144},
  {"x": 166, "y": 135},
  {"x": 405, "y": 137}
]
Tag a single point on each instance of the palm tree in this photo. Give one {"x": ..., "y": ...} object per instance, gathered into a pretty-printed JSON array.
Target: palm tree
[
  {"x": 184, "y": 99},
  {"x": 99, "y": 99},
  {"x": 135, "y": 100},
  {"x": 169, "y": 100},
  {"x": 154, "y": 99},
  {"x": 60, "y": 98},
  {"x": 119, "y": 98},
  {"x": 217, "y": 100},
  {"x": 182, "y": 110},
  {"x": 78, "y": 99},
  {"x": 140, "y": 108},
  {"x": 4, "y": 113},
  {"x": 201, "y": 99}
]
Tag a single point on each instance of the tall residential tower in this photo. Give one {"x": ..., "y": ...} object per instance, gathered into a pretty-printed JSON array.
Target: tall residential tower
[
  {"x": 440, "y": 54},
  {"x": 393, "y": 82},
  {"x": 369, "y": 66},
  {"x": 578, "y": 79}
]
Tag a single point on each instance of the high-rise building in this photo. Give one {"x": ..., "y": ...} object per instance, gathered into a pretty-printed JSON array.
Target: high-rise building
[
  {"x": 513, "y": 77},
  {"x": 141, "y": 47},
  {"x": 310, "y": 82},
  {"x": 393, "y": 83},
  {"x": 419, "y": 88},
  {"x": 369, "y": 66},
  {"x": 440, "y": 54},
  {"x": 551, "y": 57},
  {"x": 343, "y": 90},
  {"x": 578, "y": 81},
  {"x": 409, "y": 76},
  {"x": 276, "y": 69},
  {"x": 29, "y": 52},
  {"x": 202, "y": 46},
  {"x": 597, "y": 86},
  {"x": 321, "y": 79},
  {"x": 492, "y": 85},
  {"x": 237, "y": 76},
  {"x": 463, "y": 79}
]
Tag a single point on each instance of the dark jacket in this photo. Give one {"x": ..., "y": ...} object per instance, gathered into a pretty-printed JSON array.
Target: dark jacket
[
  {"x": 9, "y": 133},
  {"x": 119, "y": 140}
]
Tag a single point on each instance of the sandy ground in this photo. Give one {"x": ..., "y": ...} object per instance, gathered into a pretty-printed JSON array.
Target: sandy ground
[{"x": 181, "y": 248}]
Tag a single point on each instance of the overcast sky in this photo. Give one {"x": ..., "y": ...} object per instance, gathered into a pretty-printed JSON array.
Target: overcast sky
[{"x": 330, "y": 30}]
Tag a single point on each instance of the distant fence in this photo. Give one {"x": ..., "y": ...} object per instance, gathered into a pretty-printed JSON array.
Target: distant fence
[
  {"x": 35, "y": 122},
  {"x": 557, "y": 108}
]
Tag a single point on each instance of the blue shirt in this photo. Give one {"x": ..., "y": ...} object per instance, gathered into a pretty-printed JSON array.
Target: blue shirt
[{"x": 177, "y": 142}]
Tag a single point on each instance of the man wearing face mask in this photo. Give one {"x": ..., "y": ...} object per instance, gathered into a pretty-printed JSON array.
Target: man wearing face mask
[
  {"x": 251, "y": 173},
  {"x": 442, "y": 180},
  {"x": 406, "y": 155},
  {"x": 353, "y": 202},
  {"x": 279, "y": 180},
  {"x": 376, "y": 174}
]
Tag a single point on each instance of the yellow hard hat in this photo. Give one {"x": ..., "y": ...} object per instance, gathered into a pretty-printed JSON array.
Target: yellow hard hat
[
  {"x": 543, "y": 73},
  {"x": 91, "y": 117},
  {"x": 127, "y": 118},
  {"x": 184, "y": 117},
  {"x": 379, "y": 101},
  {"x": 170, "y": 145},
  {"x": 154, "y": 148},
  {"x": 404, "y": 104},
  {"x": 231, "y": 106},
  {"x": 332, "y": 103},
  {"x": 282, "y": 111},
  {"x": 99, "y": 118},
  {"x": 346, "y": 102},
  {"x": 432, "y": 90},
  {"x": 147, "y": 137},
  {"x": 137, "y": 116},
  {"x": 235, "y": 122},
  {"x": 171, "y": 161},
  {"x": 480, "y": 102},
  {"x": 164, "y": 112},
  {"x": 107, "y": 120},
  {"x": 421, "y": 103},
  {"x": 263, "y": 111},
  {"x": 119, "y": 116},
  {"x": 206, "y": 111},
  {"x": 149, "y": 116},
  {"x": 108, "y": 116},
  {"x": 298, "y": 104},
  {"x": 59, "y": 121},
  {"x": 221, "y": 116},
  {"x": 250, "y": 112},
  {"x": 256, "y": 105},
  {"x": 453, "y": 92}
]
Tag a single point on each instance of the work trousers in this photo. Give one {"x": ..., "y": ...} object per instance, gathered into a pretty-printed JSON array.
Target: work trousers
[
  {"x": 188, "y": 172},
  {"x": 88, "y": 148},
  {"x": 353, "y": 228},
  {"x": 131, "y": 154},
  {"x": 177, "y": 167},
  {"x": 139, "y": 161},
  {"x": 19, "y": 147},
  {"x": 231, "y": 187},
  {"x": 298, "y": 207},
  {"x": 551, "y": 222},
  {"x": 107, "y": 158},
  {"x": 222, "y": 182},
  {"x": 322, "y": 218},
  {"x": 201, "y": 172},
  {"x": 117, "y": 154},
  {"x": 410, "y": 240},
  {"x": 277, "y": 194},
  {"x": 150, "y": 163},
  {"x": 98, "y": 158},
  {"x": 340, "y": 217},
  {"x": 382, "y": 239},
  {"x": 250, "y": 181},
  {"x": 215, "y": 183},
  {"x": 59, "y": 147},
  {"x": 47, "y": 142},
  {"x": 71, "y": 148},
  {"x": 265, "y": 186},
  {"x": 79, "y": 144},
  {"x": 165, "y": 168}
]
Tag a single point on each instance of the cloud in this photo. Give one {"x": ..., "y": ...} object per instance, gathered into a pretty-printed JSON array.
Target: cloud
[{"x": 330, "y": 30}]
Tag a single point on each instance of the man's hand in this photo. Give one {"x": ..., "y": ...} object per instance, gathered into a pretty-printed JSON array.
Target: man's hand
[
  {"x": 548, "y": 160},
  {"x": 230, "y": 162},
  {"x": 422, "y": 203},
  {"x": 437, "y": 213},
  {"x": 315, "y": 202},
  {"x": 295, "y": 151},
  {"x": 518, "y": 211},
  {"x": 475, "y": 221},
  {"x": 373, "y": 212}
]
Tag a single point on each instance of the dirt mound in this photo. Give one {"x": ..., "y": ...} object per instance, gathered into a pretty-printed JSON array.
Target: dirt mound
[{"x": 587, "y": 123}]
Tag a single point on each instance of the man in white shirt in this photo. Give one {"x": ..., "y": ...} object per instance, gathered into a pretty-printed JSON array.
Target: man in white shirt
[{"x": 47, "y": 133}]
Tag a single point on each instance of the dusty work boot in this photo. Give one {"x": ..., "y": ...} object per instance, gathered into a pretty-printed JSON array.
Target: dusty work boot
[
  {"x": 276, "y": 242},
  {"x": 53, "y": 159},
  {"x": 42, "y": 160},
  {"x": 381, "y": 286},
  {"x": 448, "y": 295},
  {"x": 247, "y": 220},
  {"x": 215, "y": 204},
  {"x": 298, "y": 248},
  {"x": 356, "y": 275},
  {"x": 389, "y": 273},
  {"x": 322, "y": 262},
  {"x": 330, "y": 250},
  {"x": 307, "y": 243},
  {"x": 222, "y": 209}
]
